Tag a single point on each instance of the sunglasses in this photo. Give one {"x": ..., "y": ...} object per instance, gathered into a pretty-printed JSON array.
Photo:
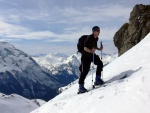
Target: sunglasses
[{"x": 97, "y": 30}]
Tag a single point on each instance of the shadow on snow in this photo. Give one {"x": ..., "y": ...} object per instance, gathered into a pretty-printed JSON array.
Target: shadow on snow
[{"x": 123, "y": 75}]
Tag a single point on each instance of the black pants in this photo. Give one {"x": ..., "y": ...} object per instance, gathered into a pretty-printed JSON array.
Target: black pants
[{"x": 85, "y": 66}]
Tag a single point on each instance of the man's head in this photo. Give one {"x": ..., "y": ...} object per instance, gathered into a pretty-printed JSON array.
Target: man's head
[{"x": 96, "y": 31}]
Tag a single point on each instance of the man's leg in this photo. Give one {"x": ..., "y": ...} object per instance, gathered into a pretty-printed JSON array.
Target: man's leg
[
  {"x": 99, "y": 63},
  {"x": 85, "y": 66}
]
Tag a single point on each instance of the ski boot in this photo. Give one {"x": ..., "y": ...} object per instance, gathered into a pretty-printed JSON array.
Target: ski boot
[
  {"x": 82, "y": 89},
  {"x": 98, "y": 81}
]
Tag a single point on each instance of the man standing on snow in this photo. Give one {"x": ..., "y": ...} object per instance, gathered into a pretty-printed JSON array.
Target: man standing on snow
[{"x": 90, "y": 46}]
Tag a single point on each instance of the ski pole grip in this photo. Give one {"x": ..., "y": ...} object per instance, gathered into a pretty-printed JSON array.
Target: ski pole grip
[{"x": 101, "y": 44}]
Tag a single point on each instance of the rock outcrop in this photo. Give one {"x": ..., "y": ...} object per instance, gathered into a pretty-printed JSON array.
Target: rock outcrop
[{"x": 133, "y": 32}]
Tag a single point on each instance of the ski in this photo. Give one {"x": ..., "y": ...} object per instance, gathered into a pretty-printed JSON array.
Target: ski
[
  {"x": 82, "y": 92},
  {"x": 97, "y": 86}
]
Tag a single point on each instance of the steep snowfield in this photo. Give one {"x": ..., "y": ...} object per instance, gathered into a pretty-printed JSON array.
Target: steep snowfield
[
  {"x": 126, "y": 95},
  {"x": 16, "y": 104}
]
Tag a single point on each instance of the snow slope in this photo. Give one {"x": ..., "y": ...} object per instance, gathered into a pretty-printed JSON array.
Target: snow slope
[
  {"x": 16, "y": 104},
  {"x": 126, "y": 95}
]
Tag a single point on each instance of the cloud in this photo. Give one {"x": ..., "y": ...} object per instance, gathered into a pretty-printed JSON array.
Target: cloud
[
  {"x": 67, "y": 48},
  {"x": 7, "y": 29},
  {"x": 7, "y": 40},
  {"x": 108, "y": 33},
  {"x": 34, "y": 35},
  {"x": 11, "y": 31},
  {"x": 93, "y": 14},
  {"x": 15, "y": 32},
  {"x": 52, "y": 21},
  {"x": 36, "y": 48},
  {"x": 21, "y": 23},
  {"x": 69, "y": 14}
]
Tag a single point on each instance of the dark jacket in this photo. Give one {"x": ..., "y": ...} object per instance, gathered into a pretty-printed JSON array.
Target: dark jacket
[{"x": 90, "y": 43}]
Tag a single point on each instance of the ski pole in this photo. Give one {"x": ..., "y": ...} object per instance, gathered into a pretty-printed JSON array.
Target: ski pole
[
  {"x": 93, "y": 70},
  {"x": 101, "y": 50},
  {"x": 101, "y": 59}
]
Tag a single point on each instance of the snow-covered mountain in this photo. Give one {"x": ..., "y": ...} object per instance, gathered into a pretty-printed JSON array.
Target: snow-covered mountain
[
  {"x": 127, "y": 90},
  {"x": 20, "y": 74},
  {"x": 61, "y": 66},
  {"x": 57, "y": 63},
  {"x": 17, "y": 104},
  {"x": 50, "y": 60}
]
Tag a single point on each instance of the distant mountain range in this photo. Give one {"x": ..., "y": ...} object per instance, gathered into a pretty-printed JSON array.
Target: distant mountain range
[{"x": 57, "y": 63}]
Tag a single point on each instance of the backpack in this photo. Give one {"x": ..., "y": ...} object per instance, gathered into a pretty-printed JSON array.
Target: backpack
[{"x": 80, "y": 45}]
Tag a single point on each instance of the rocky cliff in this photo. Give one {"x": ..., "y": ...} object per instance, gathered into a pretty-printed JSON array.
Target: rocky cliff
[{"x": 133, "y": 32}]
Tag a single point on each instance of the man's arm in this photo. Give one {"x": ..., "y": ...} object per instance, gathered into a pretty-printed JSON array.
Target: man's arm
[
  {"x": 87, "y": 45},
  {"x": 87, "y": 50},
  {"x": 93, "y": 50},
  {"x": 100, "y": 49}
]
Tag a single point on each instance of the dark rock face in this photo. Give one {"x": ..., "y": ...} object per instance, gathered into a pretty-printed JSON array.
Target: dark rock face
[{"x": 133, "y": 32}]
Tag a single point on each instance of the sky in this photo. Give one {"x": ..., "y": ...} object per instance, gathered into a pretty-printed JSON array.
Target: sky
[{"x": 54, "y": 26}]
